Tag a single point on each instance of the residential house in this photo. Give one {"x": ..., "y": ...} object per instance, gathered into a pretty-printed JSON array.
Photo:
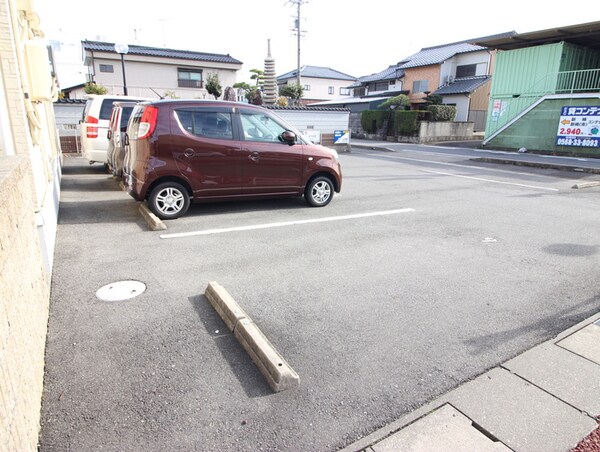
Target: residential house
[
  {"x": 368, "y": 92},
  {"x": 29, "y": 191},
  {"x": 319, "y": 83},
  {"x": 545, "y": 95},
  {"x": 153, "y": 72},
  {"x": 460, "y": 72}
]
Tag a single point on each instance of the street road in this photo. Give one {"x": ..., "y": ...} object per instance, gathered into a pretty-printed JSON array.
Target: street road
[{"x": 426, "y": 271}]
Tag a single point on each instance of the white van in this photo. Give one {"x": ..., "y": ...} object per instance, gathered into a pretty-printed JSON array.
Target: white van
[{"x": 94, "y": 125}]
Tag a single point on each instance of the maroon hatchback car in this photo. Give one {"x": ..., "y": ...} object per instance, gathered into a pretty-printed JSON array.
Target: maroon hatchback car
[{"x": 191, "y": 150}]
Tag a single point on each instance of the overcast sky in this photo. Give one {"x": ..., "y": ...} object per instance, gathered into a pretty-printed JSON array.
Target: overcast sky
[{"x": 356, "y": 38}]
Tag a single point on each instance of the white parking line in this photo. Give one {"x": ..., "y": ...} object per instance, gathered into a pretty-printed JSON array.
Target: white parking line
[
  {"x": 491, "y": 180},
  {"x": 486, "y": 168},
  {"x": 285, "y": 223}
]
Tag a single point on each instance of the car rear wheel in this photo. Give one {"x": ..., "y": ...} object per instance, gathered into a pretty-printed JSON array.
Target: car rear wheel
[
  {"x": 169, "y": 200},
  {"x": 319, "y": 191}
]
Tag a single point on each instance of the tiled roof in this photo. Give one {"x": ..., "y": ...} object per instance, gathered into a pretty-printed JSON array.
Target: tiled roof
[
  {"x": 317, "y": 72},
  {"x": 306, "y": 108},
  {"x": 463, "y": 85},
  {"x": 438, "y": 54},
  {"x": 98, "y": 46},
  {"x": 351, "y": 101},
  {"x": 70, "y": 101},
  {"x": 390, "y": 73}
]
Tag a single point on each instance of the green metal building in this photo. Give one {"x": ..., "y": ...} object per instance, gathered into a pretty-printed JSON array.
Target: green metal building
[{"x": 545, "y": 93}]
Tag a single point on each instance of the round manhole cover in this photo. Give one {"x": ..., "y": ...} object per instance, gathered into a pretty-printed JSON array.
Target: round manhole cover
[{"x": 121, "y": 290}]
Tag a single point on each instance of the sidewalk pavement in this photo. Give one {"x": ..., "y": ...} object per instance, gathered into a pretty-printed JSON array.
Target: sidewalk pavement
[{"x": 546, "y": 399}]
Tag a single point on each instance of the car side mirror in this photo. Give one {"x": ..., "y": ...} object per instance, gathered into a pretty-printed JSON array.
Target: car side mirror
[
  {"x": 126, "y": 139},
  {"x": 109, "y": 134},
  {"x": 288, "y": 137}
]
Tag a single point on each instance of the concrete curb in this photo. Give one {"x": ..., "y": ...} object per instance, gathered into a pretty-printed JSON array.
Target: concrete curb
[
  {"x": 153, "y": 221},
  {"x": 587, "y": 185},
  {"x": 557, "y": 166},
  {"x": 372, "y": 148},
  {"x": 278, "y": 373}
]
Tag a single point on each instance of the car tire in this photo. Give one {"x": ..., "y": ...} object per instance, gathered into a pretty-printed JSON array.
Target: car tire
[
  {"x": 319, "y": 191},
  {"x": 169, "y": 200}
]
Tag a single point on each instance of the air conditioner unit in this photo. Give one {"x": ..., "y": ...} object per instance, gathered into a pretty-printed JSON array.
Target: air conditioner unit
[{"x": 450, "y": 79}]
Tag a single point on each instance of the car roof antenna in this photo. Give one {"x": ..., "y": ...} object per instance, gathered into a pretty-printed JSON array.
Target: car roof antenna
[{"x": 161, "y": 97}]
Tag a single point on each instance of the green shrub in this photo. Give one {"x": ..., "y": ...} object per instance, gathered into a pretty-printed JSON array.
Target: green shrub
[
  {"x": 401, "y": 100},
  {"x": 93, "y": 88},
  {"x": 213, "y": 85},
  {"x": 408, "y": 122},
  {"x": 442, "y": 112},
  {"x": 372, "y": 120}
]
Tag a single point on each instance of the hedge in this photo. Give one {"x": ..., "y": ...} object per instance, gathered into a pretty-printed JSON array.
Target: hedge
[
  {"x": 407, "y": 122},
  {"x": 372, "y": 120},
  {"x": 442, "y": 112}
]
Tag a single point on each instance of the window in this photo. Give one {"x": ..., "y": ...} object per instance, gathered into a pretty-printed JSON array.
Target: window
[
  {"x": 468, "y": 70},
  {"x": 306, "y": 87},
  {"x": 203, "y": 123},
  {"x": 189, "y": 78},
  {"x": 378, "y": 86},
  {"x": 345, "y": 91},
  {"x": 260, "y": 127},
  {"x": 331, "y": 90},
  {"x": 107, "y": 68},
  {"x": 420, "y": 86}
]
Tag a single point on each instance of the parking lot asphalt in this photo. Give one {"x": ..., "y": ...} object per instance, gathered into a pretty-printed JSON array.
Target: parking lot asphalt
[
  {"x": 156, "y": 370},
  {"x": 486, "y": 155}
]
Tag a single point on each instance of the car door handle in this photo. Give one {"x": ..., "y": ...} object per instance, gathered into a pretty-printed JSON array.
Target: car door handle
[
  {"x": 189, "y": 152},
  {"x": 254, "y": 157}
]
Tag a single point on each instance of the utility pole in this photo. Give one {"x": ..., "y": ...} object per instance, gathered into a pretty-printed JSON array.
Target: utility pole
[{"x": 298, "y": 31}]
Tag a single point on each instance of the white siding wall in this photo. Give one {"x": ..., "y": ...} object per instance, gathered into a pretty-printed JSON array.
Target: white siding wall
[
  {"x": 319, "y": 88},
  {"x": 159, "y": 74},
  {"x": 462, "y": 106},
  {"x": 323, "y": 121},
  {"x": 448, "y": 67},
  {"x": 481, "y": 59}
]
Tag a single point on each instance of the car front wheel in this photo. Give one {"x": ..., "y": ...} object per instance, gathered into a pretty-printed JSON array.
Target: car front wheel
[
  {"x": 319, "y": 192},
  {"x": 169, "y": 200}
]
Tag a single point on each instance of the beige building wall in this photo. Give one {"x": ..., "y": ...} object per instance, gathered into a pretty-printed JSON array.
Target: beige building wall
[
  {"x": 480, "y": 98},
  {"x": 429, "y": 73},
  {"x": 29, "y": 192}
]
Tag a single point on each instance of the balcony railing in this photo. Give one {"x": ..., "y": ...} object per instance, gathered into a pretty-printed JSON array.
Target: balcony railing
[
  {"x": 578, "y": 81},
  {"x": 183, "y": 83}
]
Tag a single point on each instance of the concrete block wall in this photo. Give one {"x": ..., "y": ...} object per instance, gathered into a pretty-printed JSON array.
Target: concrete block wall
[
  {"x": 24, "y": 304},
  {"x": 445, "y": 131}
]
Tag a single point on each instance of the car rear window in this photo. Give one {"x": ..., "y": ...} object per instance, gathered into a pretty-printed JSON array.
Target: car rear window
[
  {"x": 106, "y": 108},
  {"x": 125, "y": 114}
]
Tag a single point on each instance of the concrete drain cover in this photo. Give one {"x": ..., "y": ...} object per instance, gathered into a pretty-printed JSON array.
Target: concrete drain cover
[{"x": 121, "y": 290}]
